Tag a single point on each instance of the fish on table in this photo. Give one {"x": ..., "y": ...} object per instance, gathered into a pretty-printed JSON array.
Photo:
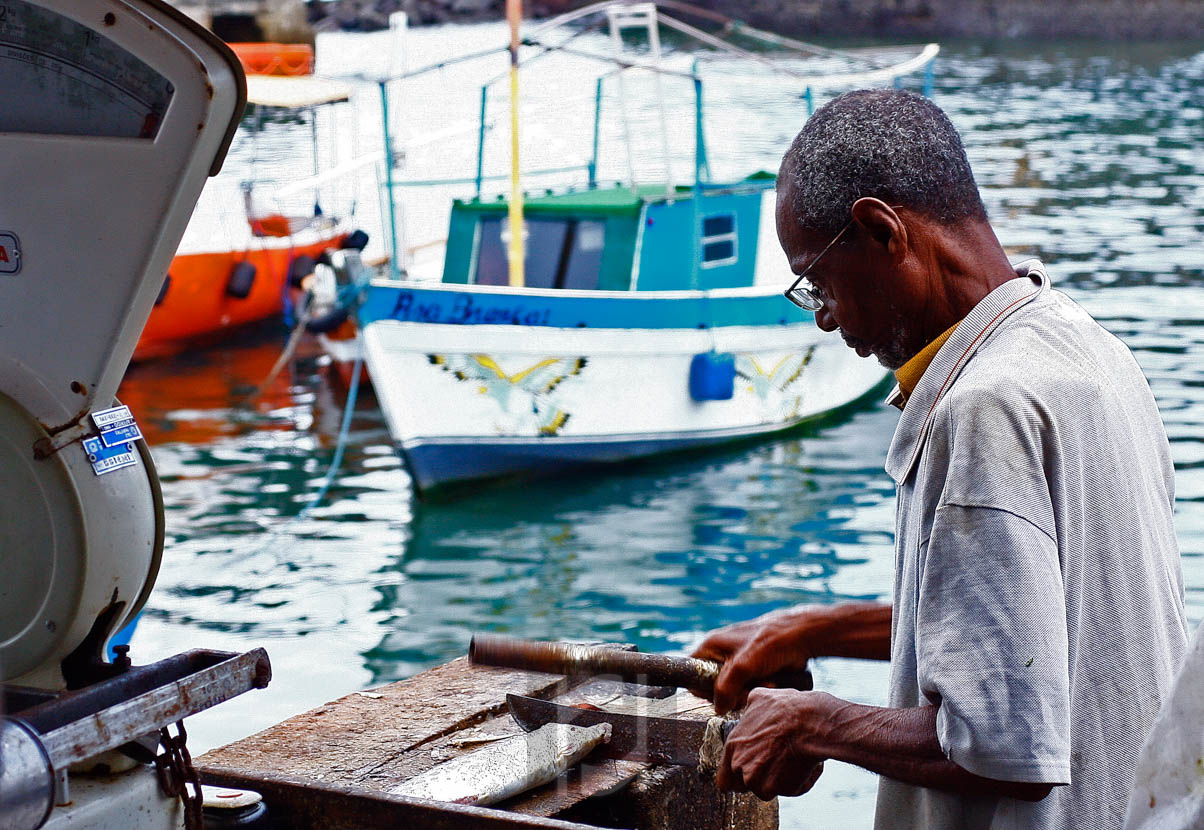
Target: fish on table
[{"x": 508, "y": 767}]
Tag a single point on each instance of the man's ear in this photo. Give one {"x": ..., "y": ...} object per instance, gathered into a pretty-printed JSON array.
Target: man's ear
[{"x": 882, "y": 225}]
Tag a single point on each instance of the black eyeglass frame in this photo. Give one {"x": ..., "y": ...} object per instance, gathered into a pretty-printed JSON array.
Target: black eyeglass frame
[{"x": 810, "y": 297}]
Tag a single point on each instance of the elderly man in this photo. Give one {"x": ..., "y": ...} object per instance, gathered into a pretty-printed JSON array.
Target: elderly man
[{"x": 1037, "y": 617}]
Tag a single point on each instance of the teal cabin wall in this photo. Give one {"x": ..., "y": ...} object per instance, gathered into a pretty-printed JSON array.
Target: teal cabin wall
[
  {"x": 619, "y": 253},
  {"x": 461, "y": 237},
  {"x": 668, "y": 250}
]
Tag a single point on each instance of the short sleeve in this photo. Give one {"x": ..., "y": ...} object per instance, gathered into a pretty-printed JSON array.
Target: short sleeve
[{"x": 991, "y": 644}]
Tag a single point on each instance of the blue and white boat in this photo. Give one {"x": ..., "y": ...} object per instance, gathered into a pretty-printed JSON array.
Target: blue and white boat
[{"x": 647, "y": 320}]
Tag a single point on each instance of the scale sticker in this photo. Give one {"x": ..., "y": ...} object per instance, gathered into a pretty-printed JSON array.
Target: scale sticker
[
  {"x": 10, "y": 253},
  {"x": 107, "y": 459},
  {"x": 116, "y": 426}
]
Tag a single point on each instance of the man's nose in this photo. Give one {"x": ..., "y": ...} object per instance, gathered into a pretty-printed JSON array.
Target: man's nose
[{"x": 824, "y": 318}]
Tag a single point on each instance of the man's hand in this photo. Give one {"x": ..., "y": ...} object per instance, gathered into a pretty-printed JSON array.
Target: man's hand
[
  {"x": 763, "y": 752},
  {"x": 753, "y": 651}
]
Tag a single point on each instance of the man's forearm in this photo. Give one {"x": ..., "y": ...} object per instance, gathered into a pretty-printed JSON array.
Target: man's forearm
[
  {"x": 754, "y": 651},
  {"x": 902, "y": 744},
  {"x": 852, "y": 629}
]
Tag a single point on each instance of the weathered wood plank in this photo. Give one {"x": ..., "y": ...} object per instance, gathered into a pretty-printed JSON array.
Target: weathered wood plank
[
  {"x": 361, "y": 739},
  {"x": 677, "y": 798},
  {"x": 300, "y": 804}
]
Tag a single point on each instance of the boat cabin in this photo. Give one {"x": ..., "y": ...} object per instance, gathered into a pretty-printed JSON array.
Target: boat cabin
[{"x": 621, "y": 238}]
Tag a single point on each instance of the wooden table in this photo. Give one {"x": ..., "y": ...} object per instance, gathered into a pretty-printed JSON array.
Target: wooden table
[{"x": 332, "y": 767}]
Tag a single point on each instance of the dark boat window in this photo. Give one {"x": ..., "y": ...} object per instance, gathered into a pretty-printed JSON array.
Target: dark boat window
[
  {"x": 585, "y": 256},
  {"x": 560, "y": 253},
  {"x": 718, "y": 225},
  {"x": 718, "y": 240},
  {"x": 717, "y": 252},
  {"x": 492, "y": 266},
  {"x": 545, "y": 241}
]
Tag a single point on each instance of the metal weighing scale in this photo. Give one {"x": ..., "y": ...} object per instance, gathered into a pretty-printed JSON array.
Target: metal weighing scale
[{"x": 113, "y": 113}]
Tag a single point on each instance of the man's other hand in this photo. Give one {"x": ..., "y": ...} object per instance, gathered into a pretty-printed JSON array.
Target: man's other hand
[
  {"x": 752, "y": 652},
  {"x": 763, "y": 754}
]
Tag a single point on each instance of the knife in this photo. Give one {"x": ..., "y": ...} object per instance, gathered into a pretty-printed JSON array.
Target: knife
[
  {"x": 632, "y": 737},
  {"x": 638, "y": 667}
]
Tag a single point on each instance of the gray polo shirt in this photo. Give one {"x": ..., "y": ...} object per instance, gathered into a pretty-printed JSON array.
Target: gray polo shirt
[{"x": 1038, "y": 596}]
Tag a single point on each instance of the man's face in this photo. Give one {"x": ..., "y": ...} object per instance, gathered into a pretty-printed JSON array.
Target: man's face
[{"x": 863, "y": 296}]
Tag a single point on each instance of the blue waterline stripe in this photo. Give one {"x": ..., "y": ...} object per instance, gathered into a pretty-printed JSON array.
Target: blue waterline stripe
[
  {"x": 436, "y": 464},
  {"x": 447, "y": 304}
]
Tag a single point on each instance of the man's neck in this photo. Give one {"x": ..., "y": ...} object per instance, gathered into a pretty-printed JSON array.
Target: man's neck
[{"x": 970, "y": 263}]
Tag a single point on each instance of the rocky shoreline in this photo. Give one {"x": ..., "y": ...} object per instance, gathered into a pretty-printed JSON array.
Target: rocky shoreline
[{"x": 1012, "y": 19}]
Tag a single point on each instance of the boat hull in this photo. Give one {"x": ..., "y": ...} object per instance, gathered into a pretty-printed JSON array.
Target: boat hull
[
  {"x": 196, "y": 309},
  {"x": 466, "y": 402},
  {"x": 443, "y": 463}
]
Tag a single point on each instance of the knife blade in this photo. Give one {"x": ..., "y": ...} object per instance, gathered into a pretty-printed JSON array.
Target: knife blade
[{"x": 633, "y": 737}]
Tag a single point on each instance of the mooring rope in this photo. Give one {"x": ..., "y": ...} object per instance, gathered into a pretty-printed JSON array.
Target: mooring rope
[
  {"x": 290, "y": 347},
  {"x": 344, "y": 432}
]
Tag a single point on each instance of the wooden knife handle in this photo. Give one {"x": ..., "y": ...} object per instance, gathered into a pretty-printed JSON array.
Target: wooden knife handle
[
  {"x": 575, "y": 659},
  {"x": 637, "y": 667}
]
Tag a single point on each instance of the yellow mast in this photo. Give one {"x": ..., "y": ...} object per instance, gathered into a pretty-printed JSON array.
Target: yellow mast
[{"x": 514, "y": 15}]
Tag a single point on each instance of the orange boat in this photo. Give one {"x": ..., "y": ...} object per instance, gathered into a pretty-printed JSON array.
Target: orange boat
[
  {"x": 237, "y": 258},
  {"x": 196, "y": 305}
]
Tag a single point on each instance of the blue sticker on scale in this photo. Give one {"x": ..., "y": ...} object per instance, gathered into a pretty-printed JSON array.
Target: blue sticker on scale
[
  {"x": 116, "y": 426},
  {"x": 107, "y": 459}
]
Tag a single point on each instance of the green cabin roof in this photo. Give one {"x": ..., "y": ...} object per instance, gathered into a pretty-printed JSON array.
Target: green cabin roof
[
  {"x": 619, "y": 200},
  {"x": 611, "y": 201}
]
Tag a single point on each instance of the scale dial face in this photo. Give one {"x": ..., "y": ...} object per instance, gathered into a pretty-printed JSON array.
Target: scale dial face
[{"x": 73, "y": 80}]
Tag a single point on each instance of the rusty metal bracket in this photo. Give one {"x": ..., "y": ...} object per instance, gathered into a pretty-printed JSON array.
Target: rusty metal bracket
[
  {"x": 79, "y": 725},
  {"x": 86, "y": 664}
]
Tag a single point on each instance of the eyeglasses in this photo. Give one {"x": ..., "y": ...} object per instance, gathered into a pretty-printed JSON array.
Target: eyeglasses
[{"x": 804, "y": 293}]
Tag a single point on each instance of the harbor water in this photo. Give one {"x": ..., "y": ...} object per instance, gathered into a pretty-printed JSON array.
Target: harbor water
[{"x": 1090, "y": 157}]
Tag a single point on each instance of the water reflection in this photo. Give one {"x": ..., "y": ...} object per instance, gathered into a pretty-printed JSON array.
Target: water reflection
[{"x": 651, "y": 555}]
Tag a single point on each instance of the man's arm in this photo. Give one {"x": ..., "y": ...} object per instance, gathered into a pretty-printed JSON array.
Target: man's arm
[
  {"x": 753, "y": 651},
  {"x": 784, "y": 734}
]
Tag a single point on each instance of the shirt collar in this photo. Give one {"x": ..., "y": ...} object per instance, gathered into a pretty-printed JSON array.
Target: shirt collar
[
  {"x": 951, "y": 357},
  {"x": 909, "y": 374}
]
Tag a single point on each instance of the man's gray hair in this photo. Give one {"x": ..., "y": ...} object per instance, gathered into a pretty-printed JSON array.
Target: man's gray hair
[{"x": 888, "y": 143}]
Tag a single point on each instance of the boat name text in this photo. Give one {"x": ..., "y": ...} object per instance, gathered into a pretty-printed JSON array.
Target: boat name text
[{"x": 464, "y": 311}]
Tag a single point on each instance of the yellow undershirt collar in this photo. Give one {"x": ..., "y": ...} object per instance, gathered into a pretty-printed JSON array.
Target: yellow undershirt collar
[{"x": 909, "y": 374}]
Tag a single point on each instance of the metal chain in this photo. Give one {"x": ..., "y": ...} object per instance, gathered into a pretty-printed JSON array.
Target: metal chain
[{"x": 176, "y": 772}]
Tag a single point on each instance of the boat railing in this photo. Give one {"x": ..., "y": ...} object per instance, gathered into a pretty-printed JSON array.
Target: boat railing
[
  {"x": 336, "y": 173},
  {"x": 861, "y": 67},
  {"x": 548, "y": 171}
]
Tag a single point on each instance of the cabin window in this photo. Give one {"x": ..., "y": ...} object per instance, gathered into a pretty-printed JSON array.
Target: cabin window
[
  {"x": 718, "y": 240},
  {"x": 492, "y": 268},
  {"x": 583, "y": 255},
  {"x": 560, "y": 253}
]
